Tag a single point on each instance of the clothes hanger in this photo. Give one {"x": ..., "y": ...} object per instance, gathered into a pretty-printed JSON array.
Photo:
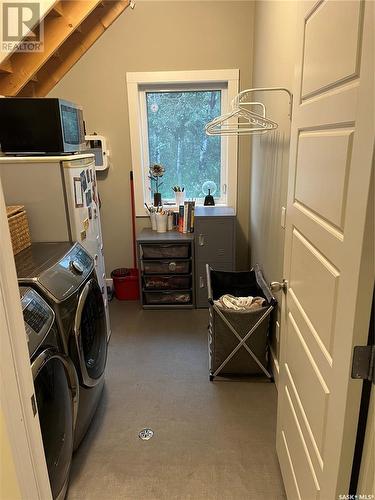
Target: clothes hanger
[
  {"x": 218, "y": 126},
  {"x": 240, "y": 99},
  {"x": 260, "y": 124}
]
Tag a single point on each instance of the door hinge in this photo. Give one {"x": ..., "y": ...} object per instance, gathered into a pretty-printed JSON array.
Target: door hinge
[{"x": 363, "y": 362}]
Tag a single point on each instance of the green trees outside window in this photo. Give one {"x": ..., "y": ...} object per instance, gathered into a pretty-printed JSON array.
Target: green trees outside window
[{"x": 177, "y": 140}]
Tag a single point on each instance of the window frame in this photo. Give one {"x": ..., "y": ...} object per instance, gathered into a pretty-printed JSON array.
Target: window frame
[
  {"x": 163, "y": 81},
  {"x": 143, "y": 90}
]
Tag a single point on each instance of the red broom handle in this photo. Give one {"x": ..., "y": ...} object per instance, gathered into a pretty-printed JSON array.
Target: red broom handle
[{"x": 133, "y": 219}]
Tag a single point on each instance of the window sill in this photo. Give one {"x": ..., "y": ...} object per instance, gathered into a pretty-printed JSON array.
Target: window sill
[
  {"x": 171, "y": 206},
  {"x": 201, "y": 210}
]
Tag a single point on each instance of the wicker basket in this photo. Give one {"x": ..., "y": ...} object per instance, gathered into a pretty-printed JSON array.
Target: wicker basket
[{"x": 19, "y": 228}]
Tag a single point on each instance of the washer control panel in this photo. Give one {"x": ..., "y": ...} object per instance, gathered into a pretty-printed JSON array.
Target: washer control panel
[
  {"x": 38, "y": 317},
  {"x": 66, "y": 276}
]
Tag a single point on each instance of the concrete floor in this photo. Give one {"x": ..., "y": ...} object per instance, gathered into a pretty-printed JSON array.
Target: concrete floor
[{"x": 213, "y": 440}]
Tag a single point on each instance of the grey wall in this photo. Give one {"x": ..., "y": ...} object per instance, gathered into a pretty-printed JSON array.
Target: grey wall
[
  {"x": 156, "y": 36},
  {"x": 274, "y": 59}
]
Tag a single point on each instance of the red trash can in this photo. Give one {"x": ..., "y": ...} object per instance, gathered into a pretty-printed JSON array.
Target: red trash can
[{"x": 125, "y": 283}]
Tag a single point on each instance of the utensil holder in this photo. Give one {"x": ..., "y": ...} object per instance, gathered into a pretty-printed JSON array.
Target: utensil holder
[
  {"x": 153, "y": 221},
  {"x": 180, "y": 198},
  {"x": 170, "y": 222},
  {"x": 161, "y": 223}
]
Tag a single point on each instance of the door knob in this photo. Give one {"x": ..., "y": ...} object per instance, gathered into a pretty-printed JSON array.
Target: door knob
[{"x": 276, "y": 286}]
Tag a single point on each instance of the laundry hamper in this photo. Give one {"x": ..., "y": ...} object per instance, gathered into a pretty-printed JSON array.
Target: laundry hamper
[{"x": 238, "y": 340}]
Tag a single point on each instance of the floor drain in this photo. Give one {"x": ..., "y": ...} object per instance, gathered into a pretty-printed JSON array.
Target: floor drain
[{"x": 146, "y": 434}]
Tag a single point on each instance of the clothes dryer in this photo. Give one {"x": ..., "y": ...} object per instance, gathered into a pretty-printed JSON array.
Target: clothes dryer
[{"x": 63, "y": 273}]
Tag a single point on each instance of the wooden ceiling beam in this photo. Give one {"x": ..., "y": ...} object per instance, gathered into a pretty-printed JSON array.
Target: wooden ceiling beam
[
  {"x": 112, "y": 12},
  {"x": 57, "y": 10},
  {"x": 56, "y": 30},
  {"x": 77, "y": 44},
  {"x": 70, "y": 29},
  {"x": 28, "y": 90},
  {"x": 6, "y": 67}
]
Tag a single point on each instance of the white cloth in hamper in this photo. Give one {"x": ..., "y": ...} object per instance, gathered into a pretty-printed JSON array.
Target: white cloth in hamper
[{"x": 240, "y": 303}]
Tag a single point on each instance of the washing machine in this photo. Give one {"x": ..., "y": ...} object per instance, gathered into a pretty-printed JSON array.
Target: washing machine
[
  {"x": 63, "y": 274},
  {"x": 55, "y": 386}
]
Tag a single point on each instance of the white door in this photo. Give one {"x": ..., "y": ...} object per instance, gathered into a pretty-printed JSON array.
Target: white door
[{"x": 328, "y": 261}]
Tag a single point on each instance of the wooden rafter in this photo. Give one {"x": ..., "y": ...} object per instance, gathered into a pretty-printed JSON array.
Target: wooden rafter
[
  {"x": 6, "y": 67},
  {"x": 57, "y": 10},
  {"x": 70, "y": 29}
]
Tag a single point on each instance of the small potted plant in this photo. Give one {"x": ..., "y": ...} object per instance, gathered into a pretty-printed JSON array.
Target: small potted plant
[{"x": 156, "y": 171}]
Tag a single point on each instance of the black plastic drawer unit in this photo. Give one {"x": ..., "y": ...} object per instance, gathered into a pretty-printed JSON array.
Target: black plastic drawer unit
[
  {"x": 164, "y": 298},
  {"x": 165, "y": 251},
  {"x": 166, "y": 267},
  {"x": 166, "y": 261},
  {"x": 167, "y": 282}
]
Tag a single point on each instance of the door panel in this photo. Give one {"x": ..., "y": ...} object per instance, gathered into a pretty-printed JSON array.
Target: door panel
[
  {"x": 330, "y": 51},
  {"x": 322, "y": 172},
  {"x": 303, "y": 371},
  {"x": 319, "y": 298},
  {"x": 310, "y": 337},
  {"x": 287, "y": 469},
  {"x": 326, "y": 263},
  {"x": 305, "y": 474},
  {"x": 306, "y": 430}
]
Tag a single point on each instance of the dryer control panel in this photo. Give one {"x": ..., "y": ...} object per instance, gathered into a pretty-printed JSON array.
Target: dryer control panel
[
  {"x": 38, "y": 317},
  {"x": 66, "y": 276}
]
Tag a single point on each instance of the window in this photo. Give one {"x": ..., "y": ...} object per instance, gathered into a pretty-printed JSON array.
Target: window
[
  {"x": 177, "y": 140},
  {"x": 168, "y": 112}
]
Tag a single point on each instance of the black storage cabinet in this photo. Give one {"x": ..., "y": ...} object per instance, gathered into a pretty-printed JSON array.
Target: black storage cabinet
[
  {"x": 166, "y": 263},
  {"x": 228, "y": 328}
]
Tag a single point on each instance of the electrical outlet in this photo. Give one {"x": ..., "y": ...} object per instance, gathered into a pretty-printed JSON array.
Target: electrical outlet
[{"x": 283, "y": 217}]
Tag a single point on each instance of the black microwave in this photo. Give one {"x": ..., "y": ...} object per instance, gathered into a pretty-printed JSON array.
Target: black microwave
[{"x": 40, "y": 125}]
